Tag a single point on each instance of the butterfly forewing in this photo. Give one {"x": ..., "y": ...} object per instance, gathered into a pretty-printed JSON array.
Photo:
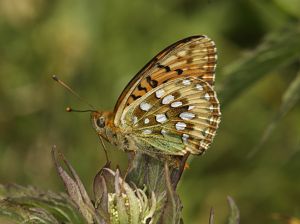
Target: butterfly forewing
[
  {"x": 176, "y": 117},
  {"x": 191, "y": 57}
]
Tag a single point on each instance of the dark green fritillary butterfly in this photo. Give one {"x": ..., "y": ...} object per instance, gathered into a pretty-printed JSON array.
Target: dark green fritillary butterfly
[{"x": 170, "y": 107}]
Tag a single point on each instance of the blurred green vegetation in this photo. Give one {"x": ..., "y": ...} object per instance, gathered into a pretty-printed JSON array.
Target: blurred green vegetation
[{"x": 97, "y": 46}]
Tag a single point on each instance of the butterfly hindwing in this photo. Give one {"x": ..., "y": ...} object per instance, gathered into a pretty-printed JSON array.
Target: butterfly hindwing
[
  {"x": 176, "y": 117},
  {"x": 191, "y": 57}
]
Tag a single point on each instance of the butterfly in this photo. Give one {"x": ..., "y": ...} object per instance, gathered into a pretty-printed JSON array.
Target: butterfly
[{"x": 170, "y": 107}]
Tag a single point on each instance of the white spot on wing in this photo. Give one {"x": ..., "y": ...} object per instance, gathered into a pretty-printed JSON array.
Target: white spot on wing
[
  {"x": 159, "y": 93},
  {"x": 145, "y": 106},
  {"x": 180, "y": 126},
  {"x": 187, "y": 116},
  {"x": 146, "y": 121},
  {"x": 176, "y": 104},
  {"x": 168, "y": 99},
  {"x": 186, "y": 82},
  {"x": 134, "y": 120},
  {"x": 199, "y": 87},
  {"x": 191, "y": 107},
  {"x": 147, "y": 132},
  {"x": 185, "y": 137},
  {"x": 205, "y": 132},
  {"x": 206, "y": 96},
  {"x": 161, "y": 118}
]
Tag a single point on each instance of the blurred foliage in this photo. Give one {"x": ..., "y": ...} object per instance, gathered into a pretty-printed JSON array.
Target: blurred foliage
[
  {"x": 30, "y": 205},
  {"x": 115, "y": 201},
  {"x": 97, "y": 46}
]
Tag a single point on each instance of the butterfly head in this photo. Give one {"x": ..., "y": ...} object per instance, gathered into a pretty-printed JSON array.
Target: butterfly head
[{"x": 102, "y": 122}]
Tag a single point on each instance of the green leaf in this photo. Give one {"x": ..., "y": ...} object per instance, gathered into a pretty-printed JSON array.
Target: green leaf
[
  {"x": 290, "y": 6},
  {"x": 147, "y": 171},
  {"x": 234, "y": 216},
  {"x": 212, "y": 216},
  {"x": 289, "y": 100},
  {"x": 101, "y": 195},
  {"x": 30, "y": 205},
  {"x": 75, "y": 188},
  {"x": 173, "y": 207},
  {"x": 277, "y": 50}
]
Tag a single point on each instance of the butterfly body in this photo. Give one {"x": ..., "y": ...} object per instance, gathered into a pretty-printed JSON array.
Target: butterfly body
[{"x": 170, "y": 107}]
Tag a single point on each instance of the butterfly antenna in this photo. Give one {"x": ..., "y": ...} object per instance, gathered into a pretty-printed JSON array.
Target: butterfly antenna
[
  {"x": 69, "y": 109},
  {"x": 55, "y": 78}
]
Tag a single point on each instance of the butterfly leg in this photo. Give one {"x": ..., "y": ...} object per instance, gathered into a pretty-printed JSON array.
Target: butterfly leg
[{"x": 105, "y": 151}]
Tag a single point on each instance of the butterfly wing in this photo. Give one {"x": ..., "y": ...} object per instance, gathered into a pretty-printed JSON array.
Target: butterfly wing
[
  {"x": 193, "y": 56},
  {"x": 174, "y": 118}
]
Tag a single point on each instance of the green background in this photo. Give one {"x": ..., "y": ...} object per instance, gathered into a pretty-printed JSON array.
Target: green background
[{"x": 97, "y": 46}]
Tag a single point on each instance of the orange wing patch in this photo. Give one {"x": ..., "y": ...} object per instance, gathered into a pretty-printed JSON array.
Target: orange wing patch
[{"x": 194, "y": 56}]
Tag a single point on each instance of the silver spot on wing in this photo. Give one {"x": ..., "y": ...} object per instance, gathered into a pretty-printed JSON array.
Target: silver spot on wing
[
  {"x": 186, "y": 115},
  {"x": 176, "y": 104},
  {"x": 161, "y": 118},
  {"x": 168, "y": 99},
  {"x": 180, "y": 126},
  {"x": 145, "y": 106},
  {"x": 159, "y": 93}
]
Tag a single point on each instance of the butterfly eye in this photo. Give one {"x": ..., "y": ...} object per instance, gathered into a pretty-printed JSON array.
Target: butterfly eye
[{"x": 100, "y": 122}]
